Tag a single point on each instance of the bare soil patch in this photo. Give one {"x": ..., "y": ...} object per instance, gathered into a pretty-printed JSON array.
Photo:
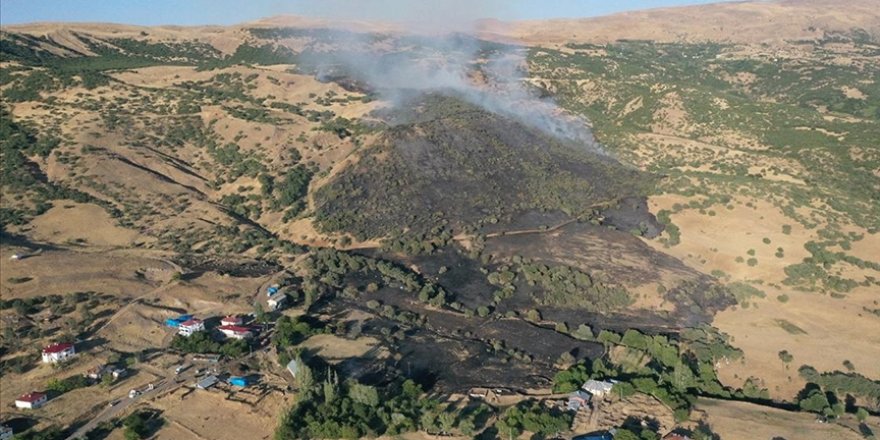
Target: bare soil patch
[{"x": 80, "y": 223}]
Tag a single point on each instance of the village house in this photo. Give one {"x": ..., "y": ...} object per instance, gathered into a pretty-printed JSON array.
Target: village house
[
  {"x": 598, "y": 388},
  {"x": 5, "y": 432},
  {"x": 231, "y": 320},
  {"x": 188, "y": 327},
  {"x": 236, "y": 331},
  {"x": 32, "y": 400},
  {"x": 58, "y": 352}
]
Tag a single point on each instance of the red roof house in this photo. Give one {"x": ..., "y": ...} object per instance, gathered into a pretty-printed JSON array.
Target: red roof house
[
  {"x": 32, "y": 400},
  {"x": 236, "y": 331},
  {"x": 190, "y": 326},
  {"x": 58, "y": 352}
]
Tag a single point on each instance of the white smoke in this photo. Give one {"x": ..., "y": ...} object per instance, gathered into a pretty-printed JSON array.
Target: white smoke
[{"x": 437, "y": 52}]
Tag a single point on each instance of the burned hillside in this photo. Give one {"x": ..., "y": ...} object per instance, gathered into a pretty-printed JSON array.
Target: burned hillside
[{"x": 447, "y": 164}]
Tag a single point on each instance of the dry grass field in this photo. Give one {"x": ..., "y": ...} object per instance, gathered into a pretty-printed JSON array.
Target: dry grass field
[{"x": 743, "y": 421}]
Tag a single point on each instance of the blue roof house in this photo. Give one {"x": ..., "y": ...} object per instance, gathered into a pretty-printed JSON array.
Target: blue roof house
[
  {"x": 175, "y": 322},
  {"x": 239, "y": 381}
]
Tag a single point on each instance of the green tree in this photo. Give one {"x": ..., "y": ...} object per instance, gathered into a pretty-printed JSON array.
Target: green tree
[
  {"x": 446, "y": 420},
  {"x": 815, "y": 401},
  {"x": 364, "y": 394}
]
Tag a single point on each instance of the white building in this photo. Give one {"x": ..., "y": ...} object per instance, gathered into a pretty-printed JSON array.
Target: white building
[
  {"x": 235, "y": 331},
  {"x": 598, "y": 388},
  {"x": 277, "y": 302},
  {"x": 188, "y": 327},
  {"x": 32, "y": 400},
  {"x": 58, "y": 352},
  {"x": 5, "y": 432},
  {"x": 118, "y": 373}
]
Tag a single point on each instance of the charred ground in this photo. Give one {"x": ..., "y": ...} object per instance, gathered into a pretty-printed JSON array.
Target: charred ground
[{"x": 446, "y": 164}]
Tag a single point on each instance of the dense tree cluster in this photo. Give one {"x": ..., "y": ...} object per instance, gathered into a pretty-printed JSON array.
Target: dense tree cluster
[
  {"x": 353, "y": 410},
  {"x": 533, "y": 417},
  {"x": 201, "y": 342},
  {"x": 677, "y": 372}
]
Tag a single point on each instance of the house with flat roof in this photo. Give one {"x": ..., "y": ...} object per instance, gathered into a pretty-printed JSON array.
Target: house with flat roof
[
  {"x": 32, "y": 400},
  {"x": 58, "y": 352},
  {"x": 188, "y": 327},
  {"x": 598, "y": 388}
]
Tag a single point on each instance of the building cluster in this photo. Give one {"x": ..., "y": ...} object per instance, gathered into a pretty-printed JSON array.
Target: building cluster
[
  {"x": 591, "y": 389},
  {"x": 232, "y": 326}
]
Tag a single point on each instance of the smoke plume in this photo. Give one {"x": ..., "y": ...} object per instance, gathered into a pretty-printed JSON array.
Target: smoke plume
[{"x": 438, "y": 52}]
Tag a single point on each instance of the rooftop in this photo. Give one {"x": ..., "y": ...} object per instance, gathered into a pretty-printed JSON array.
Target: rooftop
[
  {"x": 598, "y": 385},
  {"x": 58, "y": 348},
  {"x": 31, "y": 397},
  {"x": 190, "y": 322},
  {"x": 234, "y": 328}
]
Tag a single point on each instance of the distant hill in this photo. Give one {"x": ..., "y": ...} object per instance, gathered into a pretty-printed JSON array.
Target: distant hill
[{"x": 737, "y": 22}]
